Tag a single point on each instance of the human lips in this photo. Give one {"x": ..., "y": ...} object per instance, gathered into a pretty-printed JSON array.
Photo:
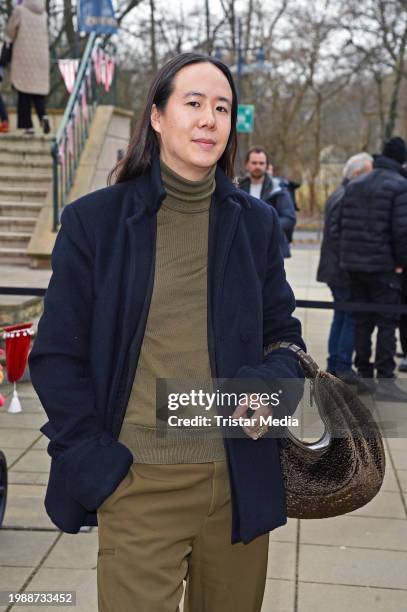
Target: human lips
[{"x": 205, "y": 143}]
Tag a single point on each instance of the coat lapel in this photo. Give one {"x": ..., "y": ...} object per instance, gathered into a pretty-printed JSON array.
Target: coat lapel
[
  {"x": 225, "y": 223},
  {"x": 145, "y": 196},
  {"x": 141, "y": 238}
]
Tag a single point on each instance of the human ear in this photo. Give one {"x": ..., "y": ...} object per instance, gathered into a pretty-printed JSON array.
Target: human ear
[{"x": 155, "y": 119}]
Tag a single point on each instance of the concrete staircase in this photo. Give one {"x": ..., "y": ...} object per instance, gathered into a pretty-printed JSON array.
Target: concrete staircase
[{"x": 25, "y": 179}]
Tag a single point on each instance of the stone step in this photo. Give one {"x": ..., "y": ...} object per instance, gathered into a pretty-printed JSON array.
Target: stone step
[
  {"x": 19, "y": 142},
  {"x": 22, "y": 194},
  {"x": 28, "y": 179},
  {"x": 14, "y": 156},
  {"x": 26, "y": 165},
  {"x": 19, "y": 209},
  {"x": 14, "y": 240},
  {"x": 14, "y": 256},
  {"x": 17, "y": 224}
]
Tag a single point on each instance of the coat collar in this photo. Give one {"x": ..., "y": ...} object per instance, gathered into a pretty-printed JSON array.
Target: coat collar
[
  {"x": 149, "y": 191},
  {"x": 270, "y": 185},
  {"x": 386, "y": 163}
]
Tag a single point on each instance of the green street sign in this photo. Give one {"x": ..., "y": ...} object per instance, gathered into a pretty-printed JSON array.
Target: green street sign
[{"x": 245, "y": 118}]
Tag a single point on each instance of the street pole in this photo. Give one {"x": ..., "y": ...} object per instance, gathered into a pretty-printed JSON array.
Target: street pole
[
  {"x": 239, "y": 57},
  {"x": 238, "y": 84}
]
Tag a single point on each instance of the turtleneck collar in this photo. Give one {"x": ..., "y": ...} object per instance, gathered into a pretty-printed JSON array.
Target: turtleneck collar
[{"x": 184, "y": 195}]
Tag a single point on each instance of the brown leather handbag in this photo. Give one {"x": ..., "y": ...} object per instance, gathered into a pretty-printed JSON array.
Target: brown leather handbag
[{"x": 338, "y": 473}]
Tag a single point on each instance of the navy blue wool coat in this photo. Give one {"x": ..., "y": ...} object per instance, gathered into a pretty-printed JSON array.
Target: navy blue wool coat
[{"x": 85, "y": 355}]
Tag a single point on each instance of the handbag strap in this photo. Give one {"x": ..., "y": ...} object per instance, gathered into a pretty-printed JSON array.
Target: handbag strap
[{"x": 310, "y": 367}]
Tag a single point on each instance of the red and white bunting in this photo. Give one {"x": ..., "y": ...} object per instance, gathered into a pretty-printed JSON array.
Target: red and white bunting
[
  {"x": 97, "y": 57},
  {"x": 68, "y": 68},
  {"x": 84, "y": 103},
  {"x": 109, "y": 62},
  {"x": 104, "y": 68},
  {"x": 69, "y": 136}
]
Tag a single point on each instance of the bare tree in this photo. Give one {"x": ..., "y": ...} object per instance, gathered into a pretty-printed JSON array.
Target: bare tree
[{"x": 377, "y": 32}]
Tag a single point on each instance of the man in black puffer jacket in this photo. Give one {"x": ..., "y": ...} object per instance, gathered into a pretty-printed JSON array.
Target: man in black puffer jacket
[{"x": 373, "y": 243}]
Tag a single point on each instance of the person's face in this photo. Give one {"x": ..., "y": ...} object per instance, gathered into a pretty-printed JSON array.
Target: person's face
[
  {"x": 194, "y": 128},
  {"x": 256, "y": 165},
  {"x": 368, "y": 166}
]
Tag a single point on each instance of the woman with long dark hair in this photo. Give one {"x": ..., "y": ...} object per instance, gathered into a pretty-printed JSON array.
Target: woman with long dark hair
[{"x": 169, "y": 273}]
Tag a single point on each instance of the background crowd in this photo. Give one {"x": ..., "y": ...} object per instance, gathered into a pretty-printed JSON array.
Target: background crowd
[{"x": 363, "y": 260}]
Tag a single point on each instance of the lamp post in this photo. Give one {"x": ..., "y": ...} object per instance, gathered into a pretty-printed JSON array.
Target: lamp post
[{"x": 240, "y": 67}]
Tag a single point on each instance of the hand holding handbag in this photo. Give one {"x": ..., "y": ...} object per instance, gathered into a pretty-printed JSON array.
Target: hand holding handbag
[{"x": 336, "y": 474}]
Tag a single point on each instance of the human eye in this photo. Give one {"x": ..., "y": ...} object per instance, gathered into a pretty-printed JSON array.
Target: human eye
[
  {"x": 223, "y": 109},
  {"x": 192, "y": 103}
]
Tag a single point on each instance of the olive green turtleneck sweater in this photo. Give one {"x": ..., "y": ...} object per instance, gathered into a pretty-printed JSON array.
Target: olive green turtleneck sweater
[{"x": 175, "y": 342}]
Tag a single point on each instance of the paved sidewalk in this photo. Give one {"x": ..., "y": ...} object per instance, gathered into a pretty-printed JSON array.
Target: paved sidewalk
[{"x": 356, "y": 562}]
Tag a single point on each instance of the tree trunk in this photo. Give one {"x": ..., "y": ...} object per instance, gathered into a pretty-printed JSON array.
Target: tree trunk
[
  {"x": 153, "y": 47},
  {"x": 248, "y": 29},
  {"x": 208, "y": 42},
  {"x": 71, "y": 35},
  {"x": 312, "y": 193},
  {"x": 392, "y": 115},
  {"x": 379, "y": 84}
]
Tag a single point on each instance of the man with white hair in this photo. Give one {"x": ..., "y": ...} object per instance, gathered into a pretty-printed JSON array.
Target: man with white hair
[{"x": 341, "y": 336}]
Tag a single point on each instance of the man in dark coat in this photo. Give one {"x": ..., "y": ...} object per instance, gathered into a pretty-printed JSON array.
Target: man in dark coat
[
  {"x": 87, "y": 394},
  {"x": 403, "y": 322},
  {"x": 373, "y": 243},
  {"x": 171, "y": 273},
  {"x": 341, "y": 337},
  {"x": 403, "y": 318},
  {"x": 261, "y": 184}
]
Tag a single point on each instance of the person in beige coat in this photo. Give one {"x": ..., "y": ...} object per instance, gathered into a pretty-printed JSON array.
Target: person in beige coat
[{"x": 27, "y": 29}]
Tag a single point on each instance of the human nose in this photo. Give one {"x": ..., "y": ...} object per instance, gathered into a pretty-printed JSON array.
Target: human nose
[{"x": 207, "y": 118}]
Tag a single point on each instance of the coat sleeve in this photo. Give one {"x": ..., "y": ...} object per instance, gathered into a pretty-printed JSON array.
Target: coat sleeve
[
  {"x": 279, "y": 325},
  {"x": 399, "y": 226},
  {"x": 13, "y": 24},
  {"x": 333, "y": 222},
  {"x": 286, "y": 211},
  {"x": 92, "y": 461}
]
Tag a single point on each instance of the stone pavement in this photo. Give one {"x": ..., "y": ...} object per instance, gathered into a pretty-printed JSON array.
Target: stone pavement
[{"x": 356, "y": 562}]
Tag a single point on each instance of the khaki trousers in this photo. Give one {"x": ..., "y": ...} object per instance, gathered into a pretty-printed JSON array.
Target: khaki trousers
[{"x": 168, "y": 523}]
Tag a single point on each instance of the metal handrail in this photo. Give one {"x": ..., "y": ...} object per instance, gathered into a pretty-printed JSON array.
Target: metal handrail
[
  {"x": 62, "y": 162},
  {"x": 73, "y": 130},
  {"x": 78, "y": 83}
]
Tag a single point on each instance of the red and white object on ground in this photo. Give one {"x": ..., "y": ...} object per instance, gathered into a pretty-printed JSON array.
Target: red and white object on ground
[
  {"x": 2, "y": 398},
  {"x": 18, "y": 340}
]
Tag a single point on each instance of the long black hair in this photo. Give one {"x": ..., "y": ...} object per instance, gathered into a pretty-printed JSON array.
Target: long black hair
[{"x": 144, "y": 142}]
